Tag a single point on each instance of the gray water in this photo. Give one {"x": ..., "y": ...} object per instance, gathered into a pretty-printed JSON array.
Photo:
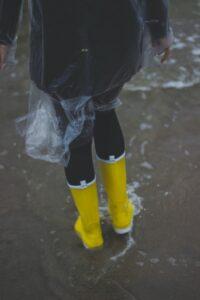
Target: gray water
[{"x": 40, "y": 256}]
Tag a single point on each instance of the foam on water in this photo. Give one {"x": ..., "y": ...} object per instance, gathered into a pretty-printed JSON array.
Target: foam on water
[
  {"x": 178, "y": 84},
  {"x": 134, "y": 198},
  {"x": 131, "y": 140},
  {"x": 178, "y": 44},
  {"x": 130, "y": 243},
  {"x": 196, "y": 51},
  {"x": 145, "y": 126},
  {"x": 172, "y": 261},
  {"x": 143, "y": 147},
  {"x": 146, "y": 165},
  {"x": 154, "y": 260},
  {"x": 3, "y": 153}
]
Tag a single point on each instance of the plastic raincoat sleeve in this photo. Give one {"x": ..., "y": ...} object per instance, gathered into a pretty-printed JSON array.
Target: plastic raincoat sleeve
[
  {"x": 9, "y": 18},
  {"x": 157, "y": 18}
]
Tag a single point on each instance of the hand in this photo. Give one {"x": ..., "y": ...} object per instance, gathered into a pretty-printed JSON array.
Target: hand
[
  {"x": 3, "y": 54},
  {"x": 166, "y": 55},
  {"x": 162, "y": 47}
]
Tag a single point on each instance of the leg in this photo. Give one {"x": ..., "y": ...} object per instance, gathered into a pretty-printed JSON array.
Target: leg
[
  {"x": 80, "y": 169},
  {"x": 82, "y": 183},
  {"x": 110, "y": 148},
  {"x": 108, "y": 136}
]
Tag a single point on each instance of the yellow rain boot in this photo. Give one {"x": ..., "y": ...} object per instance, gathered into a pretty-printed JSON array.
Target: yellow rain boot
[
  {"x": 87, "y": 225},
  {"x": 120, "y": 208}
]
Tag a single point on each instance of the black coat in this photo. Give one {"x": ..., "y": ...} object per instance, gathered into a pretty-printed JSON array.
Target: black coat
[{"x": 85, "y": 47}]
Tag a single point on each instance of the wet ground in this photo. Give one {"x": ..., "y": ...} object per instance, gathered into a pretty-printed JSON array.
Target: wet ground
[{"x": 40, "y": 256}]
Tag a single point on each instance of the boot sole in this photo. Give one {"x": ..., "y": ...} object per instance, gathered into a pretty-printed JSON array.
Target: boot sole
[
  {"x": 124, "y": 230},
  {"x": 86, "y": 246}
]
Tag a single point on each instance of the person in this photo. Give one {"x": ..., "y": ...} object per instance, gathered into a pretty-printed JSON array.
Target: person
[{"x": 82, "y": 53}]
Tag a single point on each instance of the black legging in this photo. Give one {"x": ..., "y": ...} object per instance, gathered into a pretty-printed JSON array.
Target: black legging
[{"x": 108, "y": 139}]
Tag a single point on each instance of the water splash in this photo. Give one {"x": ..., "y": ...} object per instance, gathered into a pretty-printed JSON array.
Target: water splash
[
  {"x": 134, "y": 198},
  {"x": 130, "y": 243}
]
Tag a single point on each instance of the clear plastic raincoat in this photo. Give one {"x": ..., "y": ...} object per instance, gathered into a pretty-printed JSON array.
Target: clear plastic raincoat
[{"x": 79, "y": 49}]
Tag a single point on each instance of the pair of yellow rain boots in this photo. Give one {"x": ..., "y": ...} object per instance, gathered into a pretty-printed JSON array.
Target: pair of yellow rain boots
[{"x": 121, "y": 209}]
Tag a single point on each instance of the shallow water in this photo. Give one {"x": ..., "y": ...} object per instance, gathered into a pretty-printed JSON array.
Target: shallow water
[{"x": 41, "y": 258}]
